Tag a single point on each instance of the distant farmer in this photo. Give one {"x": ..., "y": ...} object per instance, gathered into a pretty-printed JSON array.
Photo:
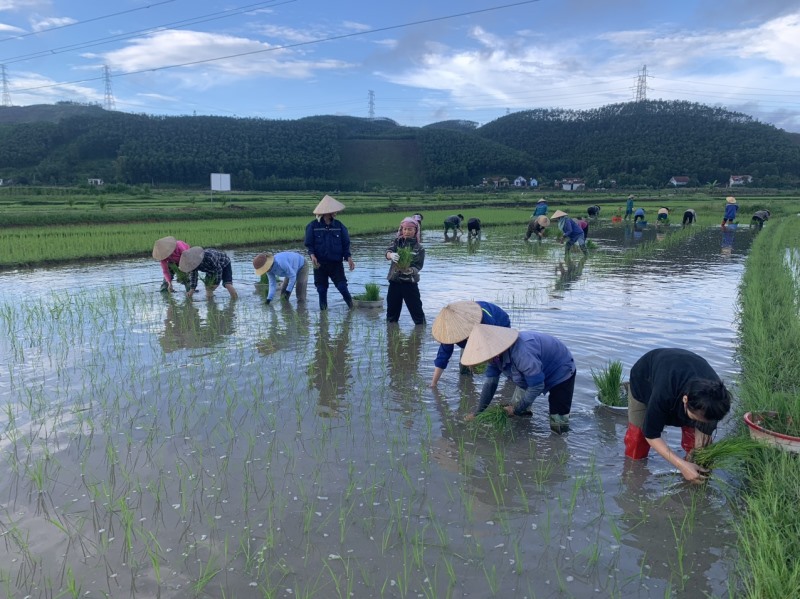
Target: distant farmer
[
  {"x": 537, "y": 227},
  {"x": 689, "y": 217},
  {"x": 629, "y": 207},
  {"x": 168, "y": 251},
  {"x": 758, "y": 219},
  {"x": 570, "y": 230},
  {"x": 404, "y": 277},
  {"x": 474, "y": 227},
  {"x": 453, "y": 222},
  {"x": 292, "y": 266},
  {"x": 731, "y": 207},
  {"x": 536, "y": 363},
  {"x": 541, "y": 208},
  {"x": 453, "y": 326},
  {"x": 328, "y": 245},
  {"x": 638, "y": 215},
  {"x": 674, "y": 387},
  {"x": 663, "y": 214},
  {"x": 418, "y": 217},
  {"x": 216, "y": 265},
  {"x": 593, "y": 211}
]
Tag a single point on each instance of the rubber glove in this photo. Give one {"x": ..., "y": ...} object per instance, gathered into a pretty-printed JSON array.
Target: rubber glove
[{"x": 394, "y": 256}]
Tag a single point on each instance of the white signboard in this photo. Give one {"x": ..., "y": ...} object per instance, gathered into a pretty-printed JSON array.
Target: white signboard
[{"x": 220, "y": 182}]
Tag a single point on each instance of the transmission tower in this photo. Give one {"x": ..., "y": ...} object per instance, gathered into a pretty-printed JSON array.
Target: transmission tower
[
  {"x": 6, "y": 95},
  {"x": 371, "y": 97},
  {"x": 641, "y": 85},
  {"x": 109, "y": 99}
]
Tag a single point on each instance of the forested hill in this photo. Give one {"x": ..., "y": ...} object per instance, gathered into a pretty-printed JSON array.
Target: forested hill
[{"x": 642, "y": 143}]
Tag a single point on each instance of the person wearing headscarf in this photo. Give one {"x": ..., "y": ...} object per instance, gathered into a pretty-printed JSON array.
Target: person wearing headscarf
[
  {"x": 453, "y": 325},
  {"x": 168, "y": 251},
  {"x": 404, "y": 277},
  {"x": 215, "y": 263},
  {"x": 663, "y": 214},
  {"x": 292, "y": 266},
  {"x": 328, "y": 243},
  {"x": 535, "y": 362},
  {"x": 689, "y": 217}
]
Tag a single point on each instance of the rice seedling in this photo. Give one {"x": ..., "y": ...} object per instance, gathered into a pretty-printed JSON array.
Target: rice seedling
[
  {"x": 608, "y": 382},
  {"x": 730, "y": 453},
  {"x": 406, "y": 255},
  {"x": 372, "y": 293},
  {"x": 494, "y": 418}
]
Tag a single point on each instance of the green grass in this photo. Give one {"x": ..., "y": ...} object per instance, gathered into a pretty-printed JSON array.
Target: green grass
[{"x": 608, "y": 381}]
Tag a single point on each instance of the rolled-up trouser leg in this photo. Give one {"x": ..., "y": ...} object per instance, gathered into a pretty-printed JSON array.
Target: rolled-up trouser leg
[
  {"x": 687, "y": 438},
  {"x": 636, "y": 445}
]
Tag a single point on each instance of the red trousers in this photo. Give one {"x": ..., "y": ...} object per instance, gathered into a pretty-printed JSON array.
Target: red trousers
[{"x": 637, "y": 447}]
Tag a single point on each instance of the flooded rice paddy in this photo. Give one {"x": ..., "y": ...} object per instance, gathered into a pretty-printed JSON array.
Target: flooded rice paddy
[{"x": 156, "y": 447}]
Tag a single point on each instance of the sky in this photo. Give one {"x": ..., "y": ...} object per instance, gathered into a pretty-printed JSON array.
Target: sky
[{"x": 413, "y": 61}]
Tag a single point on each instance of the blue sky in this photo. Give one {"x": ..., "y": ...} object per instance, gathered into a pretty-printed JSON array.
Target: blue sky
[{"x": 287, "y": 59}]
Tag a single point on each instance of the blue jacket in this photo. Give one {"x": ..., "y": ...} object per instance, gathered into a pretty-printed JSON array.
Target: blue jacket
[
  {"x": 541, "y": 210},
  {"x": 491, "y": 314},
  {"x": 570, "y": 229},
  {"x": 730, "y": 211},
  {"x": 329, "y": 243},
  {"x": 536, "y": 362},
  {"x": 629, "y": 206},
  {"x": 286, "y": 264}
]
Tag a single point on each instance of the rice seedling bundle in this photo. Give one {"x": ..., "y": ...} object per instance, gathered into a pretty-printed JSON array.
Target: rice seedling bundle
[
  {"x": 608, "y": 381},
  {"x": 406, "y": 255},
  {"x": 729, "y": 453},
  {"x": 372, "y": 293},
  {"x": 494, "y": 417}
]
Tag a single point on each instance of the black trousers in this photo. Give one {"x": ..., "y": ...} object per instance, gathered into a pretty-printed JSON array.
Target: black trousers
[
  {"x": 560, "y": 396},
  {"x": 404, "y": 292},
  {"x": 334, "y": 271}
]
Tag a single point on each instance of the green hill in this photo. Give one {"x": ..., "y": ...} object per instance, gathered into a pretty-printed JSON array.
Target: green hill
[{"x": 642, "y": 143}]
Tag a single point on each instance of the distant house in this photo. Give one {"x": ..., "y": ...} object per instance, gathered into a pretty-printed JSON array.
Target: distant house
[
  {"x": 495, "y": 182},
  {"x": 94, "y": 181},
  {"x": 739, "y": 180},
  {"x": 520, "y": 182},
  {"x": 534, "y": 182},
  {"x": 571, "y": 184},
  {"x": 679, "y": 181}
]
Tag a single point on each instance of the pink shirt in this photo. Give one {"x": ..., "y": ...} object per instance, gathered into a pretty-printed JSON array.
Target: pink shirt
[{"x": 174, "y": 257}]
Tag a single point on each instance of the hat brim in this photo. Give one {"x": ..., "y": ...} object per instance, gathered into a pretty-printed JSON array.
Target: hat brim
[
  {"x": 456, "y": 321},
  {"x": 163, "y": 248},
  {"x": 266, "y": 266},
  {"x": 558, "y": 214},
  {"x": 487, "y": 341},
  {"x": 730, "y": 200},
  {"x": 328, "y": 205},
  {"x": 191, "y": 259}
]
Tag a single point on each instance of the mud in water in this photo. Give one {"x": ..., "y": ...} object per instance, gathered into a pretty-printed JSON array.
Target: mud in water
[{"x": 153, "y": 446}]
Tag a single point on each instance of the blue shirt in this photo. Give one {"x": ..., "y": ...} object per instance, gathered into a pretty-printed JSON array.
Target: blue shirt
[
  {"x": 534, "y": 359},
  {"x": 629, "y": 206},
  {"x": 541, "y": 210},
  {"x": 286, "y": 264},
  {"x": 570, "y": 229},
  {"x": 639, "y": 212},
  {"x": 490, "y": 314},
  {"x": 730, "y": 211}
]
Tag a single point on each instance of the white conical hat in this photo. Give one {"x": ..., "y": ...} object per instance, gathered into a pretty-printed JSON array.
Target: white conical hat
[
  {"x": 730, "y": 200},
  {"x": 191, "y": 259},
  {"x": 487, "y": 341},
  {"x": 455, "y": 322},
  {"x": 328, "y": 205},
  {"x": 540, "y": 201},
  {"x": 558, "y": 214},
  {"x": 163, "y": 248},
  {"x": 263, "y": 262},
  {"x": 543, "y": 221}
]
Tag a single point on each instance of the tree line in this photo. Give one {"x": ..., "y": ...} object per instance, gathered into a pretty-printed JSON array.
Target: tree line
[{"x": 635, "y": 144}]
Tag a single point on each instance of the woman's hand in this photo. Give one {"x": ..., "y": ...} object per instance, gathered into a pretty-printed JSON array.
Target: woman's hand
[{"x": 693, "y": 473}]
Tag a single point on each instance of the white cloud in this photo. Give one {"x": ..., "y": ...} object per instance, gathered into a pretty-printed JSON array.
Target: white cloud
[
  {"x": 11, "y": 28},
  {"x": 288, "y": 33},
  {"x": 40, "y": 24},
  {"x": 777, "y": 40},
  {"x": 202, "y": 54},
  {"x": 353, "y": 26},
  {"x": 33, "y": 88}
]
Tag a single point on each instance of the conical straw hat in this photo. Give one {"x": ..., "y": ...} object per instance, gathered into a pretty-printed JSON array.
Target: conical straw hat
[
  {"x": 328, "y": 205},
  {"x": 730, "y": 200},
  {"x": 558, "y": 214},
  {"x": 164, "y": 247},
  {"x": 455, "y": 322},
  {"x": 263, "y": 262},
  {"x": 487, "y": 341},
  {"x": 543, "y": 221},
  {"x": 191, "y": 259},
  {"x": 540, "y": 200}
]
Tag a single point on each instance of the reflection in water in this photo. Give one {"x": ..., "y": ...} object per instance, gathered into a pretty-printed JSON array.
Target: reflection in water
[
  {"x": 728, "y": 235},
  {"x": 567, "y": 273},
  {"x": 330, "y": 370},
  {"x": 185, "y": 329},
  {"x": 286, "y": 327},
  {"x": 403, "y": 352}
]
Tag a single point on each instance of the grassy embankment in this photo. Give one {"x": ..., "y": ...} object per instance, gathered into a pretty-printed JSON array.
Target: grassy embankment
[
  {"x": 59, "y": 226},
  {"x": 769, "y": 525}
]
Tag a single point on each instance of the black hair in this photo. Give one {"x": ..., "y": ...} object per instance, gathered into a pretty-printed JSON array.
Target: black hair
[
  {"x": 461, "y": 216},
  {"x": 708, "y": 397}
]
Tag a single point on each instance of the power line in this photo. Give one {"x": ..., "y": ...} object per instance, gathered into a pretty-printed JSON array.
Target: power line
[
  {"x": 295, "y": 45},
  {"x": 76, "y": 23},
  {"x": 214, "y": 16}
]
